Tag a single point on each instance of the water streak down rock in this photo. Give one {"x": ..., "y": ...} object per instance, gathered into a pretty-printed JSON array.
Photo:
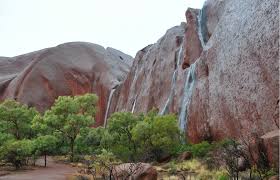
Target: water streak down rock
[
  {"x": 186, "y": 99},
  {"x": 173, "y": 81},
  {"x": 108, "y": 106},
  {"x": 200, "y": 33},
  {"x": 154, "y": 66}
]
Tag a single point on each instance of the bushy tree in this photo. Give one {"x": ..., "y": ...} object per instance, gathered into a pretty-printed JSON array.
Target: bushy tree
[
  {"x": 104, "y": 164},
  {"x": 45, "y": 145},
  {"x": 120, "y": 129},
  {"x": 4, "y": 137},
  {"x": 68, "y": 117},
  {"x": 156, "y": 135},
  {"x": 137, "y": 137},
  {"x": 16, "y": 151},
  {"x": 16, "y": 119},
  {"x": 89, "y": 140}
]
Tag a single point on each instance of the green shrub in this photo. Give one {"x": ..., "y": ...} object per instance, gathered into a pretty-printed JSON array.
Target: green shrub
[
  {"x": 201, "y": 149},
  {"x": 172, "y": 168},
  {"x": 137, "y": 137},
  {"x": 103, "y": 164},
  {"x": 89, "y": 141},
  {"x": 15, "y": 119},
  {"x": 17, "y": 152},
  {"x": 190, "y": 165},
  {"x": 156, "y": 136},
  {"x": 223, "y": 177},
  {"x": 68, "y": 118},
  {"x": 119, "y": 137},
  {"x": 4, "y": 137},
  {"x": 198, "y": 150}
]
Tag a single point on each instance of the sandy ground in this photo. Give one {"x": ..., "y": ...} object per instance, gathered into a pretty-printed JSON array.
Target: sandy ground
[{"x": 53, "y": 171}]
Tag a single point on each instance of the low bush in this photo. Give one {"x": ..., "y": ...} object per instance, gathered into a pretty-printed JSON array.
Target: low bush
[
  {"x": 141, "y": 138},
  {"x": 197, "y": 167},
  {"x": 16, "y": 152},
  {"x": 172, "y": 168},
  {"x": 199, "y": 150},
  {"x": 190, "y": 165}
]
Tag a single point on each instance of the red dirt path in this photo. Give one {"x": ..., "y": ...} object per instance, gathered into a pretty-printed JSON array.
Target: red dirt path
[{"x": 53, "y": 171}]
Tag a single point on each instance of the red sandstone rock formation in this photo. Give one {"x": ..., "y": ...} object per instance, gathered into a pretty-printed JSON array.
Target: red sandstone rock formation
[
  {"x": 236, "y": 91},
  {"x": 271, "y": 142},
  {"x": 38, "y": 78},
  {"x": 159, "y": 71},
  {"x": 232, "y": 49},
  {"x": 149, "y": 84}
]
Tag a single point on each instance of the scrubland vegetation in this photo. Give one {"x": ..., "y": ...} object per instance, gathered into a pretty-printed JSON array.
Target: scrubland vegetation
[{"x": 65, "y": 130}]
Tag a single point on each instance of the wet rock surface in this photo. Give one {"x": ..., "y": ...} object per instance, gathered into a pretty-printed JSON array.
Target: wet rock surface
[
  {"x": 236, "y": 92},
  {"x": 271, "y": 143},
  {"x": 149, "y": 83},
  {"x": 231, "y": 48}
]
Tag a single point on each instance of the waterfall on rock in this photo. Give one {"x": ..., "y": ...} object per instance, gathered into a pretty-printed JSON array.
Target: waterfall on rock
[
  {"x": 133, "y": 106},
  {"x": 108, "y": 106},
  {"x": 190, "y": 81},
  {"x": 187, "y": 94},
  {"x": 199, "y": 26},
  {"x": 173, "y": 81}
]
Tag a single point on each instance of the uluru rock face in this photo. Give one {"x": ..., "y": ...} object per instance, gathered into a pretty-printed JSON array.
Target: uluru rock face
[
  {"x": 219, "y": 72},
  {"x": 156, "y": 79},
  {"x": 236, "y": 90},
  {"x": 38, "y": 78}
]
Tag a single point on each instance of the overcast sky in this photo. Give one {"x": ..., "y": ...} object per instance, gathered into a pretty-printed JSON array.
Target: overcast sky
[{"x": 127, "y": 25}]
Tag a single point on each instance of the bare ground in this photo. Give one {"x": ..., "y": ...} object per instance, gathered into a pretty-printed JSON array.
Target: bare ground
[{"x": 53, "y": 171}]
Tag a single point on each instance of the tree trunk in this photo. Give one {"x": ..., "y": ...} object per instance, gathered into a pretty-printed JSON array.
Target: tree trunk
[
  {"x": 45, "y": 159},
  {"x": 250, "y": 173},
  {"x": 34, "y": 160},
  {"x": 72, "y": 150}
]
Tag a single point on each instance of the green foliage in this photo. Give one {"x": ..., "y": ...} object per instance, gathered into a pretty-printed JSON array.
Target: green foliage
[
  {"x": 121, "y": 143},
  {"x": 156, "y": 136},
  {"x": 205, "y": 174},
  {"x": 4, "y": 137},
  {"x": 39, "y": 126},
  {"x": 68, "y": 117},
  {"x": 172, "y": 168},
  {"x": 16, "y": 132},
  {"x": 107, "y": 140},
  {"x": 231, "y": 151},
  {"x": 45, "y": 144},
  {"x": 190, "y": 165},
  {"x": 201, "y": 149},
  {"x": 197, "y": 167},
  {"x": 223, "y": 177},
  {"x": 16, "y": 151},
  {"x": 16, "y": 119},
  {"x": 106, "y": 157},
  {"x": 138, "y": 137},
  {"x": 102, "y": 164},
  {"x": 90, "y": 139}
]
